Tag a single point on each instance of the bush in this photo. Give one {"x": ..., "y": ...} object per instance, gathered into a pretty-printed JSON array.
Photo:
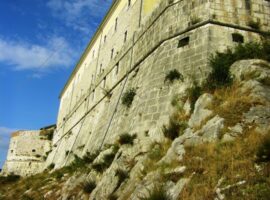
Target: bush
[
  {"x": 221, "y": 62},
  {"x": 126, "y": 138},
  {"x": 51, "y": 166},
  {"x": 122, "y": 176},
  {"x": 90, "y": 157},
  {"x": 9, "y": 179},
  {"x": 158, "y": 193},
  {"x": 254, "y": 25},
  {"x": 263, "y": 152},
  {"x": 106, "y": 163},
  {"x": 173, "y": 75},
  {"x": 88, "y": 186},
  {"x": 174, "y": 129},
  {"x": 128, "y": 97},
  {"x": 194, "y": 93},
  {"x": 112, "y": 197}
]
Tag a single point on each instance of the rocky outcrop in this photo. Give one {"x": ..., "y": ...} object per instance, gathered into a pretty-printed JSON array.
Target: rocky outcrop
[{"x": 133, "y": 170}]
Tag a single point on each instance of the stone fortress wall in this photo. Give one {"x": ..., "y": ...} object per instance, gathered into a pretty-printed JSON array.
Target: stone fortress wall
[
  {"x": 27, "y": 152},
  {"x": 161, "y": 36}
]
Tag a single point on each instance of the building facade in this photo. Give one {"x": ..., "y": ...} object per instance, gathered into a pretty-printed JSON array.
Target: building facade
[{"x": 138, "y": 42}]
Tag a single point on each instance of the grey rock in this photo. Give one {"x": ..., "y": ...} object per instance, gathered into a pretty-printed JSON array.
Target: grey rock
[{"x": 201, "y": 111}]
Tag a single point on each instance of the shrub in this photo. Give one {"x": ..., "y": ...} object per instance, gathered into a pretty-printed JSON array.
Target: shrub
[
  {"x": 173, "y": 75},
  {"x": 99, "y": 167},
  {"x": 107, "y": 161},
  {"x": 51, "y": 166},
  {"x": 254, "y": 25},
  {"x": 174, "y": 129},
  {"x": 263, "y": 152},
  {"x": 221, "y": 62},
  {"x": 26, "y": 197},
  {"x": 122, "y": 176},
  {"x": 58, "y": 175},
  {"x": 112, "y": 197},
  {"x": 90, "y": 157},
  {"x": 158, "y": 193},
  {"x": 194, "y": 93},
  {"x": 126, "y": 138},
  {"x": 195, "y": 20},
  {"x": 9, "y": 179},
  {"x": 89, "y": 186},
  {"x": 128, "y": 97}
]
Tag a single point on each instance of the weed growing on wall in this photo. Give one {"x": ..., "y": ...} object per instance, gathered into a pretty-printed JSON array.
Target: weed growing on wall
[
  {"x": 128, "y": 97},
  {"x": 88, "y": 186},
  {"x": 254, "y": 25},
  {"x": 174, "y": 128},
  {"x": 126, "y": 138},
  {"x": 158, "y": 193},
  {"x": 173, "y": 75}
]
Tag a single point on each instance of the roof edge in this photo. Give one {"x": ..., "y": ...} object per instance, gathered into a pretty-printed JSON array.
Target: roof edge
[{"x": 90, "y": 44}]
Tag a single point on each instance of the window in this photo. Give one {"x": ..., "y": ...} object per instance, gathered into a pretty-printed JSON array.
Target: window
[
  {"x": 100, "y": 69},
  {"x": 117, "y": 69},
  {"x": 11, "y": 151},
  {"x": 236, "y": 37},
  {"x": 93, "y": 97},
  {"x": 112, "y": 53},
  {"x": 129, "y": 3},
  {"x": 104, "y": 82},
  {"x": 105, "y": 37},
  {"x": 116, "y": 22},
  {"x": 33, "y": 150},
  {"x": 125, "y": 37},
  {"x": 183, "y": 42}
]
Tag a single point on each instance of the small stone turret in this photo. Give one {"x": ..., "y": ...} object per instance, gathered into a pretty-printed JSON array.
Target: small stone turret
[{"x": 28, "y": 151}]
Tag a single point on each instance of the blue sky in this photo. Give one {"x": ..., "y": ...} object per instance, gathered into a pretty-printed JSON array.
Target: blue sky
[{"x": 40, "y": 43}]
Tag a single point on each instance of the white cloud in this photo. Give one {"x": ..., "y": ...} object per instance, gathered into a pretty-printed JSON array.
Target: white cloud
[
  {"x": 23, "y": 56},
  {"x": 5, "y": 136},
  {"x": 79, "y": 14}
]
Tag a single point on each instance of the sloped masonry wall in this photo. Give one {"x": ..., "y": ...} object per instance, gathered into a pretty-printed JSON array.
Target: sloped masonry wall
[
  {"x": 154, "y": 50},
  {"x": 27, "y": 153}
]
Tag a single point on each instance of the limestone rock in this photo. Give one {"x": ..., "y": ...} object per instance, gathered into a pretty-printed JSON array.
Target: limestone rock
[
  {"x": 201, "y": 111},
  {"x": 211, "y": 131},
  {"x": 254, "y": 69}
]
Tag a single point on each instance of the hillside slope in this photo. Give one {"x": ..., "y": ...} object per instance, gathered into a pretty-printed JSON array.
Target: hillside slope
[{"x": 216, "y": 145}]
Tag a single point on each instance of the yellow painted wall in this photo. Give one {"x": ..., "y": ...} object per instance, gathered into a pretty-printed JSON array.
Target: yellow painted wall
[{"x": 149, "y": 6}]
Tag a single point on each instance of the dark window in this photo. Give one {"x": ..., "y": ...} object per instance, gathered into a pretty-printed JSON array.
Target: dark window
[
  {"x": 11, "y": 151},
  {"x": 129, "y": 3},
  {"x": 104, "y": 82},
  {"x": 125, "y": 37},
  {"x": 117, "y": 68},
  {"x": 33, "y": 150},
  {"x": 112, "y": 53},
  {"x": 183, "y": 42},
  {"x": 105, "y": 37},
  {"x": 236, "y": 37},
  {"x": 116, "y": 23},
  {"x": 93, "y": 97},
  {"x": 100, "y": 69}
]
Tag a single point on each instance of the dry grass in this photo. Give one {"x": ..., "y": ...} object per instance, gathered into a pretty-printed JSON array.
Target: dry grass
[
  {"x": 231, "y": 104},
  {"x": 234, "y": 161}
]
